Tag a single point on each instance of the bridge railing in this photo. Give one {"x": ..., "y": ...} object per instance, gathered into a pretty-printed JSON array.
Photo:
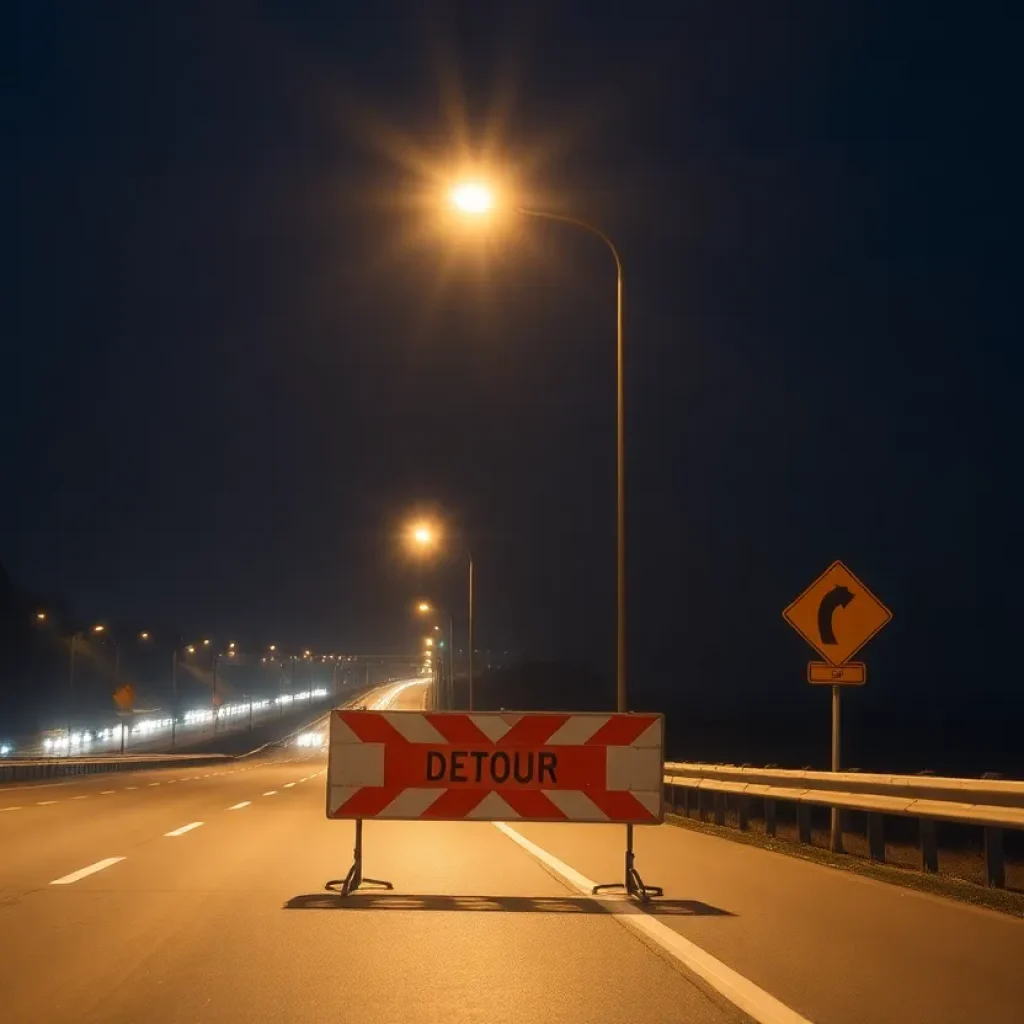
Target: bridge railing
[{"x": 992, "y": 804}]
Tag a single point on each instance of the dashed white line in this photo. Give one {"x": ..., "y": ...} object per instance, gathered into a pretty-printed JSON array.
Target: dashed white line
[
  {"x": 184, "y": 828},
  {"x": 154, "y": 783},
  {"x": 83, "y": 797},
  {"x": 106, "y": 792},
  {"x": 17, "y": 807},
  {"x": 740, "y": 991},
  {"x": 85, "y": 872},
  {"x": 270, "y": 792},
  {"x": 288, "y": 785},
  {"x": 238, "y": 807},
  {"x": 131, "y": 787},
  {"x": 45, "y": 803},
  {"x": 171, "y": 782}
]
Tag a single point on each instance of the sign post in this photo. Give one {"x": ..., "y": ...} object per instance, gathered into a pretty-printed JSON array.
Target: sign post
[
  {"x": 837, "y": 615},
  {"x": 497, "y": 766}
]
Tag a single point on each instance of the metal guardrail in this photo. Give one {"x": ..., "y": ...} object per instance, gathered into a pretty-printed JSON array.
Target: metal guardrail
[
  {"x": 15, "y": 770},
  {"x": 992, "y": 804}
]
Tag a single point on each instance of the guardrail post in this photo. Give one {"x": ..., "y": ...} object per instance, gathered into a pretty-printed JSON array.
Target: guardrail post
[
  {"x": 876, "y": 836},
  {"x": 803, "y": 821},
  {"x": 686, "y": 801},
  {"x": 700, "y": 804},
  {"x": 929, "y": 846},
  {"x": 719, "y": 808},
  {"x": 770, "y": 822},
  {"x": 744, "y": 812},
  {"x": 995, "y": 863}
]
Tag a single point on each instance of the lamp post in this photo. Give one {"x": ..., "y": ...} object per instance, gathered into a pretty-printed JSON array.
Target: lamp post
[
  {"x": 477, "y": 199},
  {"x": 426, "y": 608},
  {"x": 424, "y": 537}
]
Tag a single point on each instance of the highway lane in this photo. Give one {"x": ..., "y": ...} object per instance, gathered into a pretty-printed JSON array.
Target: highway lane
[
  {"x": 833, "y": 945},
  {"x": 228, "y": 921}
]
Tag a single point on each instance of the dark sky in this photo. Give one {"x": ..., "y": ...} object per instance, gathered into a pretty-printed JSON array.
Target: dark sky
[{"x": 240, "y": 341}]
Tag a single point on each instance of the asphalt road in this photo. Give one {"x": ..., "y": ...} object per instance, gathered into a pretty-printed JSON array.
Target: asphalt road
[{"x": 215, "y": 911}]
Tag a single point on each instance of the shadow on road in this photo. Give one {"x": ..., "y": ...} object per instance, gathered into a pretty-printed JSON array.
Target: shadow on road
[{"x": 502, "y": 904}]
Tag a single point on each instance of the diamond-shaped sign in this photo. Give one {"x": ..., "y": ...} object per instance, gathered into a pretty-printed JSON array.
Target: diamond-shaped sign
[{"x": 837, "y": 615}]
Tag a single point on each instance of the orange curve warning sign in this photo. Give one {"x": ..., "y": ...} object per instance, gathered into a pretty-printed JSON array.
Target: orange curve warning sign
[
  {"x": 496, "y": 766},
  {"x": 837, "y": 615}
]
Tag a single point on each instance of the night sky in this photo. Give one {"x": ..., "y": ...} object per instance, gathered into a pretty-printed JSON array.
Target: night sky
[{"x": 242, "y": 338}]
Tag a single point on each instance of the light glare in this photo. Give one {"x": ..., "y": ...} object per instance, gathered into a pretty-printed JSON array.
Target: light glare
[{"x": 472, "y": 197}]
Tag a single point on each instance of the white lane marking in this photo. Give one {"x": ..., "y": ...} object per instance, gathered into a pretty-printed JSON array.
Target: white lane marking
[
  {"x": 238, "y": 807},
  {"x": 270, "y": 792},
  {"x": 740, "y": 991},
  {"x": 45, "y": 803},
  {"x": 17, "y": 807},
  {"x": 80, "y": 798},
  {"x": 131, "y": 787},
  {"x": 171, "y": 782},
  {"x": 106, "y": 792},
  {"x": 288, "y": 785},
  {"x": 184, "y": 828},
  {"x": 154, "y": 783},
  {"x": 85, "y": 872}
]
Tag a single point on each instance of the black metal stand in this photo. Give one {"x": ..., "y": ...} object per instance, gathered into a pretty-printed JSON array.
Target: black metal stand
[
  {"x": 354, "y": 879},
  {"x": 633, "y": 884}
]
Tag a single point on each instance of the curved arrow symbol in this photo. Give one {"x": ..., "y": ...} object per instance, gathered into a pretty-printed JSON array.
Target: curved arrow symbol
[{"x": 837, "y": 597}]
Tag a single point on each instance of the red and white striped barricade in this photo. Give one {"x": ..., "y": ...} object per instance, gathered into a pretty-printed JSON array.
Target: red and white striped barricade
[{"x": 496, "y": 766}]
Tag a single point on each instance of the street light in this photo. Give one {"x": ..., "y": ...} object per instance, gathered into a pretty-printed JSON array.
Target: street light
[
  {"x": 143, "y": 635},
  {"x": 422, "y": 537},
  {"x": 472, "y": 197},
  {"x": 40, "y": 616},
  {"x": 99, "y": 628},
  {"x": 426, "y": 608},
  {"x": 476, "y": 199}
]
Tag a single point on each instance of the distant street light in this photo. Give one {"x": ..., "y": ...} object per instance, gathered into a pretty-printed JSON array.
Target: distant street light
[
  {"x": 475, "y": 199},
  {"x": 143, "y": 636},
  {"x": 423, "y": 537},
  {"x": 40, "y": 616},
  {"x": 98, "y": 628}
]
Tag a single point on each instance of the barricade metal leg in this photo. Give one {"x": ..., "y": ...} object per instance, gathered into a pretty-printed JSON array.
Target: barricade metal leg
[
  {"x": 354, "y": 879},
  {"x": 632, "y": 883}
]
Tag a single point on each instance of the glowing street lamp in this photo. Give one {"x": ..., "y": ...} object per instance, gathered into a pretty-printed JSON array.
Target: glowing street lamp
[
  {"x": 99, "y": 628},
  {"x": 476, "y": 199},
  {"x": 40, "y": 616},
  {"x": 472, "y": 197},
  {"x": 144, "y": 635}
]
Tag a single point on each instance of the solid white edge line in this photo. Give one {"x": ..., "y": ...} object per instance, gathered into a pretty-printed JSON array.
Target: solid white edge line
[
  {"x": 90, "y": 870},
  {"x": 184, "y": 828},
  {"x": 741, "y": 992},
  {"x": 238, "y": 807}
]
